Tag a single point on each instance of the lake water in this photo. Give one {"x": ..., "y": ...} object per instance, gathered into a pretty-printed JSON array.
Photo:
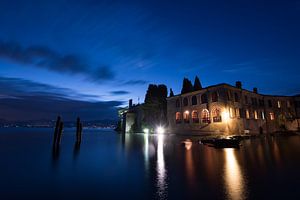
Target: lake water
[{"x": 113, "y": 166}]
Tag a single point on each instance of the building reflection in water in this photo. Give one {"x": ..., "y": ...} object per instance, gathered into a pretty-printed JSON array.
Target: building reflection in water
[
  {"x": 235, "y": 182},
  {"x": 160, "y": 169},
  {"x": 190, "y": 170}
]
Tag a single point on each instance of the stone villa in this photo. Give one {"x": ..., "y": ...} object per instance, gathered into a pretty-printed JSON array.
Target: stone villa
[
  {"x": 227, "y": 109},
  {"x": 222, "y": 109}
]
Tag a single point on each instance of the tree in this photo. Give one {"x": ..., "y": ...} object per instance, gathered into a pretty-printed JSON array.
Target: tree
[
  {"x": 197, "y": 84},
  {"x": 151, "y": 94},
  {"x": 155, "y": 106},
  {"x": 171, "y": 93},
  {"x": 186, "y": 86}
]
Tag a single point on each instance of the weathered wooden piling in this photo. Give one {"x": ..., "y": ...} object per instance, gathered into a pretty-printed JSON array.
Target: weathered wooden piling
[
  {"x": 60, "y": 130},
  {"x": 56, "y": 130},
  {"x": 78, "y": 131}
]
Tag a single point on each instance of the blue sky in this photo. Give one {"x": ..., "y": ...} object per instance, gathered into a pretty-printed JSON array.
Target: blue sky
[{"x": 109, "y": 51}]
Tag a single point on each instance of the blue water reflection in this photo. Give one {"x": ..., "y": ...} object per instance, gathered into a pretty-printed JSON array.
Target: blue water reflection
[{"x": 141, "y": 166}]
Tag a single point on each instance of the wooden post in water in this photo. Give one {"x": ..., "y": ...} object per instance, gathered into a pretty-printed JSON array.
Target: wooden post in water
[
  {"x": 57, "y": 137},
  {"x": 56, "y": 130},
  {"x": 78, "y": 131},
  {"x": 61, "y": 127}
]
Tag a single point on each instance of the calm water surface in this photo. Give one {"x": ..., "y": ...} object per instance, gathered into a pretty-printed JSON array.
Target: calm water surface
[{"x": 112, "y": 166}]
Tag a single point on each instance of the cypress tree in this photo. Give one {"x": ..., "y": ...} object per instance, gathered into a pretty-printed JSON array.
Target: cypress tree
[
  {"x": 171, "y": 93},
  {"x": 187, "y": 86},
  {"x": 197, "y": 84}
]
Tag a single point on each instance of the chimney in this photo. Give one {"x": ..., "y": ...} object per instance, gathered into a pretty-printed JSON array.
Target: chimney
[
  {"x": 130, "y": 103},
  {"x": 255, "y": 90},
  {"x": 238, "y": 84}
]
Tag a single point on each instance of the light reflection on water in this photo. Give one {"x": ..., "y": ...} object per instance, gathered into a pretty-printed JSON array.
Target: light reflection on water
[
  {"x": 138, "y": 166},
  {"x": 160, "y": 168},
  {"x": 235, "y": 184}
]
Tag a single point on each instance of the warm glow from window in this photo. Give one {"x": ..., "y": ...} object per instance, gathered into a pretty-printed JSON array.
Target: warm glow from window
[
  {"x": 231, "y": 111},
  {"x": 255, "y": 115},
  {"x": 237, "y": 113},
  {"x": 186, "y": 116},
  {"x": 278, "y": 104},
  {"x": 195, "y": 117},
  {"x": 272, "y": 116},
  {"x": 216, "y": 114},
  {"x": 288, "y": 104},
  {"x": 262, "y": 115},
  {"x": 247, "y": 114},
  {"x": 205, "y": 116},
  {"x": 178, "y": 117}
]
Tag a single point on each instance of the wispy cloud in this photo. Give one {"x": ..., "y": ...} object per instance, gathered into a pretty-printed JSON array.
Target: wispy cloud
[
  {"x": 135, "y": 82},
  {"x": 44, "y": 57},
  {"x": 26, "y": 100},
  {"x": 119, "y": 92}
]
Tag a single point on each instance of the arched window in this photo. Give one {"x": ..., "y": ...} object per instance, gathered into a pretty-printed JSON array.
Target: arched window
[
  {"x": 214, "y": 97},
  {"x": 177, "y": 103},
  {"x": 205, "y": 116},
  {"x": 178, "y": 117},
  {"x": 194, "y": 100},
  {"x": 204, "y": 98},
  {"x": 216, "y": 114},
  {"x": 185, "y": 101},
  {"x": 186, "y": 116},
  {"x": 195, "y": 117}
]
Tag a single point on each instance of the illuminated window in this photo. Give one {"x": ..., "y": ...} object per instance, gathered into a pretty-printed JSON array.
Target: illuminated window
[
  {"x": 205, "y": 116},
  {"x": 237, "y": 113},
  {"x": 177, "y": 103},
  {"x": 255, "y": 114},
  {"x": 203, "y": 98},
  {"x": 178, "y": 117},
  {"x": 195, "y": 117},
  {"x": 194, "y": 100},
  {"x": 278, "y": 104},
  {"x": 214, "y": 97},
  {"x": 185, "y": 101},
  {"x": 216, "y": 114},
  {"x": 247, "y": 114},
  {"x": 272, "y": 116},
  {"x": 231, "y": 112},
  {"x": 186, "y": 117},
  {"x": 262, "y": 115}
]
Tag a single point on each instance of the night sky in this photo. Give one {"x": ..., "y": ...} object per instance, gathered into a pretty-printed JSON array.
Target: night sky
[{"x": 88, "y": 57}]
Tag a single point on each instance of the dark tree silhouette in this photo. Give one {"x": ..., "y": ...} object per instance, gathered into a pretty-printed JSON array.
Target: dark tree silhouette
[
  {"x": 197, "y": 84},
  {"x": 155, "y": 106},
  {"x": 186, "y": 86},
  {"x": 171, "y": 93}
]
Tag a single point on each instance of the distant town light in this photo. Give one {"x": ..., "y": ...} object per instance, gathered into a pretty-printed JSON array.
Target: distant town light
[
  {"x": 187, "y": 112},
  {"x": 160, "y": 130},
  {"x": 146, "y": 130}
]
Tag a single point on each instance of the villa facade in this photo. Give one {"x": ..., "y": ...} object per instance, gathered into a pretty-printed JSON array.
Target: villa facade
[{"x": 227, "y": 109}]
